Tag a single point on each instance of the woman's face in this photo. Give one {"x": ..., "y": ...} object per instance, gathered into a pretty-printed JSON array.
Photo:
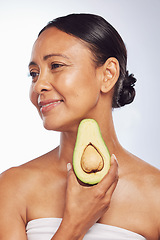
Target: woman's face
[{"x": 65, "y": 86}]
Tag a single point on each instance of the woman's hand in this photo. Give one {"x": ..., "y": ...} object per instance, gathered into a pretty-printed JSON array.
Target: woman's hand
[{"x": 86, "y": 204}]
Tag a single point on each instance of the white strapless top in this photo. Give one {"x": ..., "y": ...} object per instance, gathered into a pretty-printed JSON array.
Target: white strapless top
[{"x": 45, "y": 228}]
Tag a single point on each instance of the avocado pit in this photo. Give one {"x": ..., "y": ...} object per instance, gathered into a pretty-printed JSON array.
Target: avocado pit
[{"x": 91, "y": 160}]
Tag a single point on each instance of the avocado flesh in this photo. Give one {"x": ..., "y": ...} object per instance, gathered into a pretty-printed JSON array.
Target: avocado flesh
[{"x": 91, "y": 158}]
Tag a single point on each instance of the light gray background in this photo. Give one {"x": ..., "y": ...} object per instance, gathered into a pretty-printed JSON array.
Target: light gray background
[{"x": 22, "y": 134}]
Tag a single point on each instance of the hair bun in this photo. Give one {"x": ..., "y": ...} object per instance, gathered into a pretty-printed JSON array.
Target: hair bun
[{"x": 127, "y": 93}]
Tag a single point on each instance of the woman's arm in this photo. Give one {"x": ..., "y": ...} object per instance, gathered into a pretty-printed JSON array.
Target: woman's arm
[
  {"x": 12, "y": 226},
  {"x": 85, "y": 205}
]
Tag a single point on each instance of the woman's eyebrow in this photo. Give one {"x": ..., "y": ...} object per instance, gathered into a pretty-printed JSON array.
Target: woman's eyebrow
[
  {"x": 32, "y": 63},
  {"x": 48, "y": 56},
  {"x": 54, "y": 55}
]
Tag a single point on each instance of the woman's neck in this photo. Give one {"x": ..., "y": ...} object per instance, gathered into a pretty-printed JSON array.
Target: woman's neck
[{"x": 67, "y": 143}]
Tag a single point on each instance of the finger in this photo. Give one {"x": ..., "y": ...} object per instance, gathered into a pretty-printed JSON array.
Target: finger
[
  {"x": 113, "y": 171},
  {"x": 112, "y": 188},
  {"x": 71, "y": 176},
  {"x": 111, "y": 176}
]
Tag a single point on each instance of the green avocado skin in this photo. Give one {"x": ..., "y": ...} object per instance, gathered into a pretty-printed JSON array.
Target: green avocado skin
[{"x": 89, "y": 133}]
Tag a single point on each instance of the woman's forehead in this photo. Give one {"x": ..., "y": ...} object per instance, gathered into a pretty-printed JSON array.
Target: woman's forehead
[
  {"x": 55, "y": 39},
  {"x": 56, "y": 42}
]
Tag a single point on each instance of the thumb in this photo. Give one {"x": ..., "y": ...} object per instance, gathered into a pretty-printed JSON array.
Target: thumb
[{"x": 71, "y": 175}]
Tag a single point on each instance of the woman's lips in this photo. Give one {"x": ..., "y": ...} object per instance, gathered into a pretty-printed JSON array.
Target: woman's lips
[{"x": 47, "y": 105}]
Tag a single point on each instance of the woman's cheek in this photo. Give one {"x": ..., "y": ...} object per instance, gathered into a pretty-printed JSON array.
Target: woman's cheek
[{"x": 33, "y": 97}]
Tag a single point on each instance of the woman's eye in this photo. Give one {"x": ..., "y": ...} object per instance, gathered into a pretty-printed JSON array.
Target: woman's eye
[
  {"x": 56, "y": 65},
  {"x": 34, "y": 75}
]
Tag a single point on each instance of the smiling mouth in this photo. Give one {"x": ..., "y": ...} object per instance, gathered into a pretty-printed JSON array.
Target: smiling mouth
[{"x": 47, "y": 106}]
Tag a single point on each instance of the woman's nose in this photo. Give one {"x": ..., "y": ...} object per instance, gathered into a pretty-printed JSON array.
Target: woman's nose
[{"x": 42, "y": 84}]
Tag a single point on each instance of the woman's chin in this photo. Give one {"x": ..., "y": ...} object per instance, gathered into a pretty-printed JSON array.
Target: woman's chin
[
  {"x": 48, "y": 126},
  {"x": 53, "y": 126},
  {"x": 60, "y": 126}
]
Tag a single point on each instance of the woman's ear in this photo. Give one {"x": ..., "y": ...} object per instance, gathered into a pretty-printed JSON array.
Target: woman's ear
[{"x": 110, "y": 74}]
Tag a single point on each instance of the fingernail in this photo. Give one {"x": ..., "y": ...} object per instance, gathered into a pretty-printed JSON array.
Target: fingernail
[
  {"x": 115, "y": 158},
  {"x": 68, "y": 167}
]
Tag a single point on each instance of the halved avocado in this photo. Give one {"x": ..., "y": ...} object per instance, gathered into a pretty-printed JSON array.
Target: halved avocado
[{"x": 91, "y": 158}]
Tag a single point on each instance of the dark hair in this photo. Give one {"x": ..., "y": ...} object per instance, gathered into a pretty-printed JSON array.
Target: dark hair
[{"x": 104, "y": 42}]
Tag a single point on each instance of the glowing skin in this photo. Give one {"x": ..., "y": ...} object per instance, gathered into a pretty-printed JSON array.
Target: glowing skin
[
  {"x": 65, "y": 82},
  {"x": 67, "y": 87}
]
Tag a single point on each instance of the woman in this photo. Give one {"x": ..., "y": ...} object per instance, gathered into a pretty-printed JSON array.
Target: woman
[{"x": 78, "y": 70}]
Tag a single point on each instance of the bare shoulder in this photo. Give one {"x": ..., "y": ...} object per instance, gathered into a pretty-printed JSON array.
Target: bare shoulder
[
  {"x": 145, "y": 175},
  {"x": 147, "y": 181},
  {"x": 12, "y": 204},
  {"x": 149, "y": 174},
  {"x": 139, "y": 192},
  {"x": 151, "y": 182},
  {"x": 21, "y": 176},
  {"x": 16, "y": 184}
]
